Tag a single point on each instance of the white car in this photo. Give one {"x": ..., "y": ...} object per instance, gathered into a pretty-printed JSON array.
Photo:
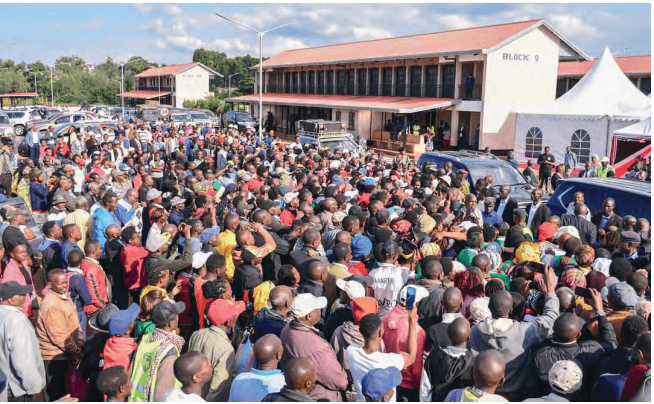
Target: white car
[
  {"x": 19, "y": 119},
  {"x": 177, "y": 119}
]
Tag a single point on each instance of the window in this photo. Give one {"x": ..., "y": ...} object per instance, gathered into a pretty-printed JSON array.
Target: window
[
  {"x": 296, "y": 81},
  {"x": 560, "y": 87},
  {"x": 287, "y": 82},
  {"x": 321, "y": 82},
  {"x": 571, "y": 83},
  {"x": 362, "y": 82},
  {"x": 534, "y": 142},
  {"x": 580, "y": 144},
  {"x": 448, "y": 81},
  {"x": 373, "y": 88},
  {"x": 431, "y": 73},
  {"x": 312, "y": 82},
  {"x": 416, "y": 81},
  {"x": 330, "y": 82},
  {"x": 646, "y": 85},
  {"x": 303, "y": 82},
  {"x": 338, "y": 116},
  {"x": 350, "y": 82},
  {"x": 387, "y": 81},
  {"x": 400, "y": 81},
  {"x": 350, "y": 121},
  {"x": 340, "y": 82}
]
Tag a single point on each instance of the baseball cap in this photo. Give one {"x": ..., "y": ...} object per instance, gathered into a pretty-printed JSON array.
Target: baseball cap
[
  {"x": 630, "y": 237},
  {"x": 100, "y": 322},
  {"x": 13, "y": 213},
  {"x": 177, "y": 201},
  {"x": 421, "y": 293},
  {"x": 222, "y": 310},
  {"x": 200, "y": 259},
  {"x": 13, "y": 288},
  {"x": 155, "y": 241},
  {"x": 305, "y": 303},
  {"x": 462, "y": 171},
  {"x": 353, "y": 289},
  {"x": 390, "y": 248},
  {"x": 123, "y": 167},
  {"x": 290, "y": 196},
  {"x": 120, "y": 320},
  {"x": 165, "y": 311},
  {"x": 565, "y": 376},
  {"x": 152, "y": 194},
  {"x": 520, "y": 212},
  {"x": 243, "y": 207},
  {"x": 378, "y": 382},
  {"x": 623, "y": 294},
  {"x": 57, "y": 199},
  {"x": 207, "y": 235},
  {"x": 361, "y": 246},
  {"x": 363, "y": 306}
]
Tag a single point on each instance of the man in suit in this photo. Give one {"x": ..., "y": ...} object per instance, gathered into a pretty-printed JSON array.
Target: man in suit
[
  {"x": 606, "y": 217},
  {"x": 529, "y": 173},
  {"x": 588, "y": 171},
  {"x": 537, "y": 212},
  {"x": 505, "y": 205},
  {"x": 587, "y": 230}
]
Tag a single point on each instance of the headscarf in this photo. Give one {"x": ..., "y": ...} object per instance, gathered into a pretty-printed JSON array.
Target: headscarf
[
  {"x": 595, "y": 280},
  {"x": 479, "y": 310},
  {"x": 572, "y": 278},
  {"x": 426, "y": 223},
  {"x": 546, "y": 231},
  {"x": 495, "y": 260},
  {"x": 429, "y": 249},
  {"x": 528, "y": 252},
  {"x": 402, "y": 226}
]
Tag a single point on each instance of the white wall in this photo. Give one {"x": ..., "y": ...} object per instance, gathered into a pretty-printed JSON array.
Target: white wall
[
  {"x": 510, "y": 85},
  {"x": 193, "y": 84}
]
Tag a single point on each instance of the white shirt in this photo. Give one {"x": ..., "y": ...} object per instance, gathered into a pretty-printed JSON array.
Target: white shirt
[
  {"x": 178, "y": 396},
  {"x": 532, "y": 213},
  {"x": 388, "y": 281},
  {"x": 361, "y": 363}
]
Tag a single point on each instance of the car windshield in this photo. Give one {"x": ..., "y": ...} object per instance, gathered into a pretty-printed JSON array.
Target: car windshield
[
  {"x": 242, "y": 116},
  {"x": 341, "y": 145},
  {"x": 180, "y": 118},
  {"x": 198, "y": 115},
  {"x": 502, "y": 174},
  {"x": 4, "y": 119},
  {"x": 209, "y": 113},
  {"x": 150, "y": 114}
]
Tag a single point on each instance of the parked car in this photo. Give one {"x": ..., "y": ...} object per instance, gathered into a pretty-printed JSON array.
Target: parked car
[
  {"x": 19, "y": 120},
  {"x": 632, "y": 197},
  {"x": 210, "y": 115},
  {"x": 29, "y": 221},
  {"x": 62, "y": 118},
  {"x": 6, "y": 127},
  {"x": 479, "y": 165},
  {"x": 95, "y": 126},
  {"x": 180, "y": 118},
  {"x": 200, "y": 118},
  {"x": 244, "y": 120}
]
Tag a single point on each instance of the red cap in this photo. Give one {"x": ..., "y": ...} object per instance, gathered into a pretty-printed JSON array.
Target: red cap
[
  {"x": 222, "y": 310},
  {"x": 363, "y": 306},
  {"x": 103, "y": 125}
]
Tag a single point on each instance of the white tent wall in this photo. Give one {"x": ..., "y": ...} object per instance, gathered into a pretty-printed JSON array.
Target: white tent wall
[{"x": 557, "y": 131}]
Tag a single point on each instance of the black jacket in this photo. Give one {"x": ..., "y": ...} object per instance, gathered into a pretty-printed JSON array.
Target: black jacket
[
  {"x": 542, "y": 213},
  {"x": 530, "y": 176},
  {"x": 246, "y": 278},
  {"x": 447, "y": 373},
  {"x": 430, "y": 309},
  {"x": 614, "y": 220},
  {"x": 587, "y": 230},
  {"x": 301, "y": 259},
  {"x": 271, "y": 262},
  {"x": 336, "y": 319},
  {"x": 287, "y": 395},
  {"x": 507, "y": 215}
]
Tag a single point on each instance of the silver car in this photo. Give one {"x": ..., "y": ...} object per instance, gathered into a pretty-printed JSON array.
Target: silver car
[{"x": 200, "y": 118}]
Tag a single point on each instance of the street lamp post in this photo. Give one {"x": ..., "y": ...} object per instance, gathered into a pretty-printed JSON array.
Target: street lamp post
[
  {"x": 121, "y": 96},
  {"x": 51, "y": 83},
  {"x": 229, "y": 85},
  {"x": 261, "y": 34}
]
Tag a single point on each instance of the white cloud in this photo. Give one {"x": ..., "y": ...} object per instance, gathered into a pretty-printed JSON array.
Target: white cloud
[
  {"x": 364, "y": 33},
  {"x": 452, "y": 21},
  {"x": 572, "y": 26},
  {"x": 172, "y": 9},
  {"x": 143, "y": 8}
]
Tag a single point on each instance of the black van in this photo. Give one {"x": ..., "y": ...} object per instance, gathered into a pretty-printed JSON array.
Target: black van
[{"x": 632, "y": 197}]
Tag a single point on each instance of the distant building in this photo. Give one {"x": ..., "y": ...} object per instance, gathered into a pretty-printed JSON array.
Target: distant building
[
  {"x": 172, "y": 85},
  {"x": 421, "y": 80},
  {"x": 637, "y": 68}
]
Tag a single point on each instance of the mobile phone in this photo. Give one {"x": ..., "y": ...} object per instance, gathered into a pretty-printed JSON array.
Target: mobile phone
[
  {"x": 533, "y": 285},
  {"x": 410, "y": 297},
  {"x": 536, "y": 266},
  {"x": 583, "y": 292}
]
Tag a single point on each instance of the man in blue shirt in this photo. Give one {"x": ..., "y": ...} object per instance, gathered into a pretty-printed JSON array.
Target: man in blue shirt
[
  {"x": 489, "y": 216},
  {"x": 34, "y": 141}
]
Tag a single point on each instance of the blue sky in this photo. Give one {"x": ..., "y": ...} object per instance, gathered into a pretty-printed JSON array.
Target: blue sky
[{"x": 168, "y": 33}]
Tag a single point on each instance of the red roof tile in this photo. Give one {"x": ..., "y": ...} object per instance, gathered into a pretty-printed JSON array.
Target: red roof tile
[
  {"x": 165, "y": 71},
  {"x": 628, "y": 64},
  {"x": 10, "y": 95},
  {"x": 423, "y": 45},
  {"x": 355, "y": 102},
  {"x": 143, "y": 94}
]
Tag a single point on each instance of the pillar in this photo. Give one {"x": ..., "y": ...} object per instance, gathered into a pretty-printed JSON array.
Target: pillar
[
  {"x": 439, "y": 80},
  {"x": 393, "y": 80},
  {"x": 457, "y": 77},
  {"x": 454, "y": 126},
  {"x": 406, "y": 81},
  {"x": 423, "y": 81}
]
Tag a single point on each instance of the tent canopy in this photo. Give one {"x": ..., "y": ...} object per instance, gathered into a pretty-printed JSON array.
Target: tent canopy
[{"x": 636, "y": 131}]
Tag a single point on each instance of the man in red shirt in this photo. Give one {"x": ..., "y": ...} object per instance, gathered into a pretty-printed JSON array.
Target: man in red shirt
[{"x": 292, "y": 203}]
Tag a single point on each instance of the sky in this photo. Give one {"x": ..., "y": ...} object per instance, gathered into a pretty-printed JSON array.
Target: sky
[{"x": 169, "y": 33}]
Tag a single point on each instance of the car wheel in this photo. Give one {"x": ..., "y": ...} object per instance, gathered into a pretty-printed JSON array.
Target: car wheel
[{"x": 19, "y": 130}]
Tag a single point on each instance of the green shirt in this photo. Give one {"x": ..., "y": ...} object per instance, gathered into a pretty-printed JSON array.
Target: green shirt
[{"x": 142, "y": 328}]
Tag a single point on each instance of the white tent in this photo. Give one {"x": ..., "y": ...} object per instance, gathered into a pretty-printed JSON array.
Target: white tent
[
  {"x": 585, "y": 117},
  {"x": 637, "y": 130}
]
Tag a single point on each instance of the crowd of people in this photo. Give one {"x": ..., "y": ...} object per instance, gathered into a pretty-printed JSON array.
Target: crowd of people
[{"x": 204, "y": 264}]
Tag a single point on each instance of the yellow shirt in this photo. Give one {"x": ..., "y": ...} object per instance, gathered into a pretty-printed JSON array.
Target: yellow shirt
[
  {"x": 151, "y": 287},
  {"x": 227, "y": 244},
  {"x": 84, "y": 220}
]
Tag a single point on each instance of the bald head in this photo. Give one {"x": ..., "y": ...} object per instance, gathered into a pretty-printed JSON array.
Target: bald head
[
  {"x": 187, "y": 365},
  {"x": 567, "y": 301},
  {"x": 242, "y": 237},
  {"x": 280, "y": 298},
  {"x": 581, "y": 209},
  {"x": 488, "y": 370},
  {"x": 232, "y": 222},
  {"x": 317, "y": 271},
  {"x": 500, "y": 304},
  {"x": 566, "y": 328},
  {"x": 459, "y": 331},
  {"x": 300, "y": 374},
  {"x": 482, "y": 262},
  {"x": 452, "y": 300},
  {"x": 268, "y": 349}
]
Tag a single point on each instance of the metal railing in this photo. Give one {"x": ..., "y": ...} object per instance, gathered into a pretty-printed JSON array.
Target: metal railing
[{"x": 470, "y": 92}]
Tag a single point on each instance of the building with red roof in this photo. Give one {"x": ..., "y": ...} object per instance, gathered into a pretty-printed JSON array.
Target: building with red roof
[
  {"x": 172, "y": 85},
  {"x": 637, "y": 68},
  {"x": 471, "y": 79}
]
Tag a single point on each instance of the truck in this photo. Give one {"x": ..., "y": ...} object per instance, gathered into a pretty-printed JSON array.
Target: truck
[{"x": 332, "y": 134}]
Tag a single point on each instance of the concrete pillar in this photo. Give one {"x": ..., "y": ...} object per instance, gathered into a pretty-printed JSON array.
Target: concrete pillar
[
  {"x": 406, "y": 81},
  {"x": 423, "y": 81},
  {"x": 334, "y": 81},
  {"x": 368, "y": 86},
  {"x": 454, "y": 125},
  {"x": 439, "y": 80},
  {"x": 457, "y": 77},
  {"x": 393, "y": 80},
  {"x": 380, "y": 79},
  {"x": 284, "y": 81},
  {"x": 356, "y": 81},
  {"x": 266, "y": 80}
]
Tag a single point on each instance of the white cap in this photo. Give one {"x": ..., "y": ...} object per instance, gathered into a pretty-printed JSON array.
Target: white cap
[
  {"x": 152, "y": 194},
  {"x": 335, "y": 164},
  {"x": 353, "y": 289},
  {"x": 305, "y": 303},
  {"x": 565, "y": 376},
  {"x": 290, "y": 196},
  {"x": 604, "y": 159},
  {"x": 200, "y": 258},
  {"x": 421, "y": 293},
  {"x": 156, "y": 240}
]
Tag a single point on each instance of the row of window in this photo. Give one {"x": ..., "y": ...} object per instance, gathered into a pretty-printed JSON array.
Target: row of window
[
  {"x": 565, "y": 84},
  {"x": 579, "y": 144},
  {"x": 372, "y": 81},
  {"x": 350, "y": 119}
]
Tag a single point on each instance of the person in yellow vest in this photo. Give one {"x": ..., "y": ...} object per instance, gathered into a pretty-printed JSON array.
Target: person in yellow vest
[
  {"x": 605, "y": 168},
  {"x": 462, "y": 175},
  {"x": 416, "y": 130},
  {"x": 152, "y": 371}
]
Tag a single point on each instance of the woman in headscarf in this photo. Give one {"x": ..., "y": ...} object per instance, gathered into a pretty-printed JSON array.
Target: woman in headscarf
[{"x": 471, "y": 285}]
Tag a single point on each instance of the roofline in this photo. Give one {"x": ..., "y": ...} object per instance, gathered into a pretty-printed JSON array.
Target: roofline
[
  {"x": 541, "y": 23},
  {"x": 375, "y": 59},
  {"x": 192, "y": 65}
]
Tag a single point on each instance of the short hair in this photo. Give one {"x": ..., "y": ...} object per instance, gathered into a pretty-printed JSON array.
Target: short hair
[
  {"x": 493, "y": 286},
  {"x": 156, "y": 274},
  {"x": 215, "y": 262},
  {"x": 638, "y": 281},
  {"x": 474, "y": 240},
  {"x": 632, "y": 327},
  {"x": 310, "y": 236},
  {"x": 585, "y": 256},
  {"x": 348, "y": 222},
  {"x": 75, "y": 258},
  {"x": 285, "y": 276},
  {"x": 53, "y": 272},
  {"x": 68, "y": 230},
  {"x": 185, "y": 366},
  {"x": 128, "y": 234},
  {"x": 48, "y": 226},
  {"x": 369, "y": 325},
  {"x": 107, "y": 197},
  {"x": 620, "y": 268},
  {"x": 110, "y": 380},
  {"x": 90, "y": 246},
  {"x": 340, "y": 251}
]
